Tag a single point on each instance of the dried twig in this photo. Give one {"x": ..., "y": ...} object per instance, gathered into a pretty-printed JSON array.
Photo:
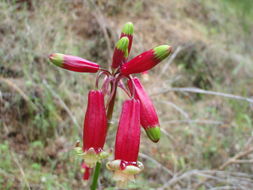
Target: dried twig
[
  {"x": 21, "y": 170},
  {"x": 7, "y": 174},
  {"x": 157, "y": 163},
  {"x": 201, "y": 91},
  {"x": 180, "y": 110},
  {"x": 20, "y": 91},
  {"x": 222, "y": 188},
  {"x": 207, "y": 122},
  {"x": 171, "y": 59},
  {"x": 236, "y": 180},
  {"x": 169, "y": 137},
  {"x": 236, "y": 157},
  {"x": 97, "y": 13},
  {"x": 176, "y": 179},
  {"x": 243, "y": 162}
]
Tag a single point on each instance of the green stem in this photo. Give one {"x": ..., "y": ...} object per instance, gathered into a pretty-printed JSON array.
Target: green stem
[
  {"x": 110, "y": 109},
  {"x": 95, "y": 176}
]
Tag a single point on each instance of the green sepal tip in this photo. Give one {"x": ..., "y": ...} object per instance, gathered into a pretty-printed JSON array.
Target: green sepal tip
[
  {"x": 154, "y": 133},
  {"x": 122, "y": 45},
  {"x": 57, "y": 59},
  {"x": 128, "y": 28},
  {"x": 162, "y": 51}
]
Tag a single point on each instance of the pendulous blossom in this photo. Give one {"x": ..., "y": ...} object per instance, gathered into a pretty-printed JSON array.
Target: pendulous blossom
[
  {"x": 125, "y": 164},
  {"x": 86, "y": 171},
  {"x": 73, "y": 63},
  {"x": 95, "y": 128},
  {"x": 148, "y": 116},
  {"x": 146, "y": 60}
]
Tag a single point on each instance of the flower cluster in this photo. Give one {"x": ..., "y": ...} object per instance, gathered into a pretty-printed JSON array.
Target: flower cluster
[{"x": 137, "y": 111}]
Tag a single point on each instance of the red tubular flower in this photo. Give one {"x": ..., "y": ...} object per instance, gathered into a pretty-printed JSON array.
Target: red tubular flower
[
  {"x": 128, "y": 31},
  {"x": 86, "y": 171},
  {"x": 127, "y": 144},
  {"x": 73, "y": 63},
  {"x": 148, "y": 116},
  {"x": 146, "y": 60},
  {"x": 95, "y": 127},
  {"x": 120, "y": 52}
]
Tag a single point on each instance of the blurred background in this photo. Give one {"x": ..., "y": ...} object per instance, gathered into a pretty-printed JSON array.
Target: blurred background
[{"x": 203, "y": 92}]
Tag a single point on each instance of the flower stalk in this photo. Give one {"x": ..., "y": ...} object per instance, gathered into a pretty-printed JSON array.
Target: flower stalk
[{"x": 95, "y": 176}]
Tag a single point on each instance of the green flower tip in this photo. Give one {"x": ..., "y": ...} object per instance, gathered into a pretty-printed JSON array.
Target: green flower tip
[
  {"x": 163, "y": 51},
  {"x": 128, "y": 28},
  {"x": 122, "y": 45},
  {"x": 154, "y": 133},
  {"x": 57, "y": 59}
]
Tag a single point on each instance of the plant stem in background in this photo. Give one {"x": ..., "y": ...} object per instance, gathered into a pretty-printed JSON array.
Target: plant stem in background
[
  {"x": 111, "y": 103},
  {"x": 110, "y": 109}
]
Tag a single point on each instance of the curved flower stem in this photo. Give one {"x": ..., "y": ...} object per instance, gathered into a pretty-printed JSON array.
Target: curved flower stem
[
  {"x": 116, "y": 82},
  {"x": 106, "y": 73},
  {"x": 95, "y": 176},
  {"x": 133, "y": 88},
  {"x": 111, "y": 103},
  {"x": 123, "y": 87}
]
